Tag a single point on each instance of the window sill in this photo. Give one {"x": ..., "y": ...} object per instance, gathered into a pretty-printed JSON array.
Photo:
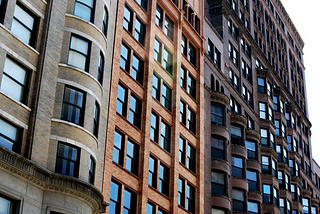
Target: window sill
[{"x": 16, "y": 101}]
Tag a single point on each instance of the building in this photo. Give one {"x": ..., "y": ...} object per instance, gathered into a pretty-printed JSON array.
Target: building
[
  {"x": 55, "y": 68},
  {"x": 154, "y": 150},
  {"x": 258, "y": 127}
]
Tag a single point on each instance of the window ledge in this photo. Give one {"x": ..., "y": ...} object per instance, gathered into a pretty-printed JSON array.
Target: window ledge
[{"x": 16, "y": 101}]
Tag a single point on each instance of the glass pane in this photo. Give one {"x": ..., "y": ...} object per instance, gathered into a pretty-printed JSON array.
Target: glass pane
[
  {"x": 114, "y": 191},
  {"x": 15, "y": 71},
  {"x": 4, "y": 206},
  {"x": 127, "y": 199},
  {"x": 217, "y": 178},
  {"x": 8, "y": 130},
  {"x": 117, "y": 140},
  {"x": 79, "y": 45},
  {"x": 77, "y": 60},
  {"x": 87, "y": 2},
  {"x": 21, "y": 31},
  {"x": 11, "y": 88},
  {"x": 24, "y": 17},
  {"x": 82, "y": 11}
]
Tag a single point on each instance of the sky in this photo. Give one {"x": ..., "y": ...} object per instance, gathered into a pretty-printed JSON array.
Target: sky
[{"x": 306, "y": 19}]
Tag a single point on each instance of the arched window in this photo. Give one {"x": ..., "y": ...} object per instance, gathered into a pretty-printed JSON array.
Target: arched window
[
  {"x": 217, "y": 85},
  {"x": 105, "y": 22},
  {"x": 212, "y": 82}
]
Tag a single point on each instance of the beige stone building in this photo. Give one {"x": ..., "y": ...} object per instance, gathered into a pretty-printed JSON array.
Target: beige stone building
[{"x": 55, "y": 69}]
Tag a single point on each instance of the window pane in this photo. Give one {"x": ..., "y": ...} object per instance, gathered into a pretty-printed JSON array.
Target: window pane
[
  {"x": 21, "y": 31},
  {"x": 76, "y": 59}
]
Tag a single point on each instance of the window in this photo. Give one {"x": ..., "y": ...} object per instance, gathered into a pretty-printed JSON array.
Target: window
[
  {"x": 237, "y": 167},
  {"x": 67, "y": 162},
  {"x": 266, "y": 193},
  {"x": 118, "y": 147},
  {"x": 129, "y": 201},
  {"x": 287, "y": 180},
  {"x": 192, "y": 57},
  {"x": 218, "y": 183},
  {"x": 282, "y": 205},
  {"x": 233, "y": 54},
  {"x": 234, "y": 79},
  {"x": 122, "y": 100},
  {"x": 84, "y": 9},
  {"x": 100, "y": 68},
  {"x": 164, "y": 176},
  {"x": 8, "y": 205},
  {"x": 183, "y": 113},
  {"x": 79, "y": 53},
  {"x": 233, "y": 30},
  {"x": 305, "y": 203},
  {"x": 154, "y": 133},
  {"x": 115, "y": 197},
  {"x": 253, "y": 208},
  {"x": 169, "y": 27},
  {"x": 182, "y": 150},
  {"x": 217, "y": 58},
  {"x": 275, "y": 196},
  {"x": 152, "y": 172},
  {"x": 9, "y": 136},
  {"x": 191, "y": 120},
  {"x": 151, "y": 208},
  {"x": 14, "y": 80},
  {"x": 92, "y": 168},
  {"x": 165, "y": 136},
  {"x": 217, "y": 211},
  {"x": 132, "y": 161},
  {"x": 264, "y": 133},
  {"x": 3, "y": 5},
  {"x": 167, "y": 60},
  {"x": 277, "y": 124},
  {"x": 217, "y": 114},
  {"x": 280, "y": 178},
  {"x": 166, "y": 96},
  {"x": 156, "y": 86},
  {"x": 261, "y": 85},
  {"x": 236, "y": 135},
  {"x": 274, "y": 168},
  {"x": 127, "y": 19},
  {"x": 137, "y": 68},
  {"x": 73, "y": 106},
  {"x": 251, "y": 149},
  {"x": 246, "y": 71},
  {"x": 191, "y": 158},
  {"x": 143, "y": 4},
  {"x": 263, "y": 110},
  {"x": 96, "y": 115},
  {"x": 157, "y": 50},
  {"x": 24, "y": 24},
  {"x": 184, "y": 45},
  {"x": 314, "y": 210},
  {"x": 140, "y": 31},
  {"x": 252, "y": 178},
  {"x": 265, "y": 164},
  {"x": 192, "y": 86},
  {"x": 159, "y": 16},
  {"x": 125, "y": 57},
  {"x": 135, "y": 111},
  {"x": 271, "y": 115},
  {"x": 210, "y": 49},
  {"x": 181, "y": 192},
  {"x": 218, "y": 148},
  {"x": 238, "y": 200},
  {"x": 105, "y": 22},
  {"x": 183, "y": 77},
  {"x": 276, "y": 103},
  {"x": 191, "y": 198}
]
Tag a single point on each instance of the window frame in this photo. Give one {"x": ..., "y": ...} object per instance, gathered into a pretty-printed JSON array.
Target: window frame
[
  {"x": 76, "y": 162},
  {"x": 87, "y": 55}
]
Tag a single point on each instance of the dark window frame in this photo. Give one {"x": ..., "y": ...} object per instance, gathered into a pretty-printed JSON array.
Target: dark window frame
[{"x": 75, "y": 172}]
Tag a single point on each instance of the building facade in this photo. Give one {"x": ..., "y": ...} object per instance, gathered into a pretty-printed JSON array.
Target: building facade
[
  {"x": 257, "y": 121},
  {"x": 55, "y": 69}
]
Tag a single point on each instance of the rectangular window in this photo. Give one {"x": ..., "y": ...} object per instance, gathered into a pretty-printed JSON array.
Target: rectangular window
[
  {"x": 191, "y": 158},
  {"x": 140, "y": 31},
  {"x": 157, "y": 50},
  {"x": 135, "y": 111},
  {"x": 152, "y": 172},
  {"x": 159, "y": 16},
  {"x": 190, "y": 198},
  {"x": 169, "y": 27},
  {"x": 122, "y": 100},
  {"x": 154, "y": 132},
  {"x": 105, "y": 22},
  {"x": 125, "y": 57},
  {"x": 165, "y": 142},
  {"x": 266, "y": 193},
  {"x": 184, "y": 45},
  {"x": 265, "y": 164},
  {"x": 79, "y": 53},
  {"x": 217, "y": 211},
  {"x": 127, "y": 19},
  {"x": 143, "y": 4},
  {"x": 164, "y": 175},
  {"x": 96, "y": 116},
  {"x": 233, "y": 54},
  {"x": 73, "y": 106},
  {"x": 166, "y": 96},
  {"x": 252, "y": 178},
  {"x": 3, "y": 5},
  {"x": 217, "y": 58},
  {"x": 118, "y": 147},
  {"x": 92, "y": 168},
  {"x": 191, "y": 120},
  {"x": 84, "y": 9},
  {"x": 253, "y": 208},
  {"x": 68, "y": 158},
  {"x": 237, "y": 167},
  {"x": 24, "y": 24},
  {"x": 181, "y": 192},
  {"x": 261, "y": 85},
  {"x": 192, "y": 57},
  {"x": 263, "y": 110},
  {"x": 192, "y": 86},
  {"x": 132, "y": 161},
  {"x": 183, "y": 77},
  {"x": 218, "y": 148},
  {"x": 100, "y": 68},
  {"x": 156, "y": 87},
  {"x": 210, "y": 49},
  {"x": 218, "y": 183},
  {"x": 251, "y": 149},
  {"x": 217, "y": 114},
  {"x": 183, "y": 112},
  {"x": 236, "y": 135},
  {"x": 182, "y": 150},
  {"x": 167, "y": 60},
  {"x": 129, "y": 201},
  {"x": 238, "y": 200},
  {"x": 14, "y": 80},
  {"x": 9, "y": 136},
  {"x": 137, "y": 69},
  {"x": 305, "y": 203},
  {"x": 115, "y": 197}
]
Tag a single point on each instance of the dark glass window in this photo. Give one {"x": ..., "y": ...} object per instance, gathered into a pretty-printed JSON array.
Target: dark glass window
[
  {"x": 169, "y": 27},
  {"x": 252, "y": 178},
  {"x": 157, "y": 50},
  {"x": 192, "y": 86},
  {"x": 265, "y": 164},
  {"x": 84, "y": 9},
  {"x": 14, "y": 80},
  {"x": 217, "y": 114},
  {"x": 191, "y": 158},
  {"x": 156, "y": 87},
  {"x": 192, "y": 57},
  {"x": 154, "y": 133},
  {"x": 96, "y": 115},
  {"x": 165, "y": 142},
  {"x": 181, "y": 192},
  {"x": 79, "y": 53},
  {"x": 191, "y": 120},
  {"x": 135, "y": 111},
  {"x": 143, "y": 4},
  {"x": 253, "y": 208},
  {"x": 183, "y": 77},
  {"x": 251, "y": 149},
  {"x": 122, "y": 100},
  {"x": 9, "y": 136},
  {"x": 218, "y": 183},
  {"x": 67, "y": 162},
  {"x": 183, "y": 114},
  {"x": 164, "y": 175},
  {"x": 125, "y": 57},
  {"x": 92, "y": 168},
  {"x": 184, "y": 45},
  {"x": 140, "y": 31},
  {"x": 238, "y": 200},
  {"x": 237, "y": 167},
  {"x": 264, "y": 137},
  {"x": 182, "y": 150},
  {"x": 218, "y": 148},
  {"x": 73, "y": 106},
  {"x": 167, "y": 60},
  {"x": 3, "y": 5},
  {"x": 159, "y": 16},
  {"x": 132, "y": 161},
  {"x": 129, "y": 201},
  {"x": 151, "y": 208},
  {"x": 152, "y": 172},
  {"x": 137, "y": 69},
  {"x": 118, "y": 146},
  {"x": 263, "y": 110},
  {"x": 100, "y": 68},
  {"x": 127, "y": 19},
  {"x": 236, "y": 135},
  {"x": 105, "y": 22},
  {"x": 191, "y": 198},
  {"x": 217, "y": 58},
  {"x": 166, "y": 96},
  {"x": 266, "y": 193},
  {"x": 24, "y": 24},
  {"x": 115, "y": 197},
  {"x": 261, "y": 85},
  {"x": 9, "y": 205}
]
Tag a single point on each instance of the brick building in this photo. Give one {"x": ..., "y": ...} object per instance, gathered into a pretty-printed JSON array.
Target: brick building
[{"x": 55, "y": 68}]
